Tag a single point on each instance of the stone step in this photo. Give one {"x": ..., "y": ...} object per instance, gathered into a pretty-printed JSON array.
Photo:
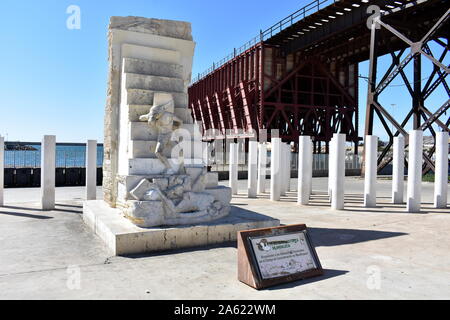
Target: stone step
[
  {"x": 142, "y": 131},
  {"x": 155, "y": 166},
  {"x": 142, "y": 97},
  {"x": 151, "y": 53},
  {"x": 147, "y": 67},
  {"x": 136, "y": 110},
  {"x": 141, "y": 81},
  {"x": 128, "y": 183},
  {"x": 146, "y": 149}
]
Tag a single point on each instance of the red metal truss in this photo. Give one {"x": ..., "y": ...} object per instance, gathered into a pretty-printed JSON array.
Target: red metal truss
[
  {"x": 227, "y": 100},
  {"x": 311, "y": 98},
  {"x": 300, "y": 76}
]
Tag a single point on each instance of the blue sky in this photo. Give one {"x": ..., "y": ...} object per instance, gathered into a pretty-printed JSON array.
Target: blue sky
[{"x": 54, "y": 79}]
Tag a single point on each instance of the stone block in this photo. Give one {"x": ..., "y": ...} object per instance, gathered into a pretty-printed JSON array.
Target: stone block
[
  {"x": 220, "y": 193},
  {"x": 150, "y": 166},
  {"x": 136, "y": 110},
  {"x": 149, "y": 53},
  {"x": 160, "y": 27},
  {"x": 155, "y": 83},
  {"x": 148, "y": 67},
  {"x": 145, "y": 97},
  {"x": 146, "y": 149},
  {"x": 212, "y": 180},
  {"x": 142, "y": 131},
  {"x": 143, "y": 213}
]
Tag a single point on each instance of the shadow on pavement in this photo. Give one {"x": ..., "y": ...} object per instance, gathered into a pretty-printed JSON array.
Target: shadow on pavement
[
  {"x": 327, "y": 274},
  {"x": 326, "y": 237},
  {"x": 23, "y": 215}
]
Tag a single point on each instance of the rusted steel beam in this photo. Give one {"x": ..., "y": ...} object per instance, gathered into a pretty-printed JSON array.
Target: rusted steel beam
[
  {"x": 245, "y": 104},
  {"x": 212, "y": 122},
  {"x": 220, "y": 113},
  {"x": 233, "y": 111},
  {"x": 203, "y": 119}
]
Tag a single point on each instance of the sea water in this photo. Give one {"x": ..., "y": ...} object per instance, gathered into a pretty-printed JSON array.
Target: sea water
[{"x": 66, "y": 156}]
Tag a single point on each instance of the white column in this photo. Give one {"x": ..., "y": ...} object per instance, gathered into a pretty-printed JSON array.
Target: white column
[
  {"x": 370, "y": 175},
  {"x": 337, "y": 186},
  {"x": 275, "y": 172},
  {"x": 262, "y": 162},
  {"x": 91, "y": 170},
  {"x": 252, "y": 168},
  {"x": 48, "y": 163},
  {"x": 283, "y": 169},
  {"x": 311, "y": 159},
  {"x": 441, "y": 174},
  {"x": 398, "y": 169},
  {"x": 288, "y": 166},
  {"x": 413, "y": 200},
  {"x": 331, "y": 163},
  {"x": 233, "y": 165},
  {"x": 304, "y": 170},
  {"x": 2, "y": 169}
]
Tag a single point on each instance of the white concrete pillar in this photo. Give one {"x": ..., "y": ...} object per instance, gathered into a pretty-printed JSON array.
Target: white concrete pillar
[
  {"x": 331, "y": 163},
  {"x": 252, "y": 169},
  {"x": 48, "y": 164},
  {"x": 233, "y": 167},
  {"x": 262, "y": 162},
  {"x": 414, "y": 194},
  {"x": 337, "y": 186},
  {"x": 91, "y": 170},
  {"x": 370, "y": 175},
  {"x": 275, "y": 172},
  {"x": 283, "y": 177},
  {"x": 398, "y": 169},
  {"x": 441, "y": 174},
  {"x": 288, "y": 166},
  {"x": 304, "y": 170},
  {"x": 311, "y": 159},
  {"x": 2, "y": 169}
]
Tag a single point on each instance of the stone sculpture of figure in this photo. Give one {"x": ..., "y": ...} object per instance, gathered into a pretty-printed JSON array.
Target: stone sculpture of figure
[
  {"x": 165, "y": 122},
  {"x": 171, "y": 201}
]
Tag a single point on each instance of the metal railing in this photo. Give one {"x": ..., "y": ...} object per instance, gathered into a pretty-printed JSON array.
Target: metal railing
[
  {"x": 298, "y": 15},
  {"x": 320, "y": 162},
  {"x": 64, "y": 158}
]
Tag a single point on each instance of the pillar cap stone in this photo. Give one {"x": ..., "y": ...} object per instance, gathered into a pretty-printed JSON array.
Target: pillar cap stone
[{"x": 166, "y": 28}]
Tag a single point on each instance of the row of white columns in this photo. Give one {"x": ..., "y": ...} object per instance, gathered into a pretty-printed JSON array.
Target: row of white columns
[
  {"x": 281, "y": 159},
  {"x": 257, "y": 162},
  {"x": 414, "y": 185},
  {"x": 48, "y": 167}
]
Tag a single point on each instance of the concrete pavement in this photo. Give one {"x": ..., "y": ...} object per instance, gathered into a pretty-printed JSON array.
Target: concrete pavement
[{"x": 379, "y": 253}]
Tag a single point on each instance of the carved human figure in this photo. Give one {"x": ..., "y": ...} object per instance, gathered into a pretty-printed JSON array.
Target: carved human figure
[
  {"x": 165, "y": 122},
  {"x": 180, "y": 204}
]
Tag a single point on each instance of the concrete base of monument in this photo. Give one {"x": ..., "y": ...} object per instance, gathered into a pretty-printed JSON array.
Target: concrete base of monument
[{"x": 123, "y": 238}]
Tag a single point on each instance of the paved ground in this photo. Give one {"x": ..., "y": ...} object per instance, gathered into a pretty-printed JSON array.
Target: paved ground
[{"x": 41, "y": 253}]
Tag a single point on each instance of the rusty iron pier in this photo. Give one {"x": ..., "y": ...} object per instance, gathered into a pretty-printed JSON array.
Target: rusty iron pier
[{"x": 300, "y": 76}]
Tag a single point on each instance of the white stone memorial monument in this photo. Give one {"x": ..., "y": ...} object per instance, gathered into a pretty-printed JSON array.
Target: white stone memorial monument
[{"x": 154, "y": 172}]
